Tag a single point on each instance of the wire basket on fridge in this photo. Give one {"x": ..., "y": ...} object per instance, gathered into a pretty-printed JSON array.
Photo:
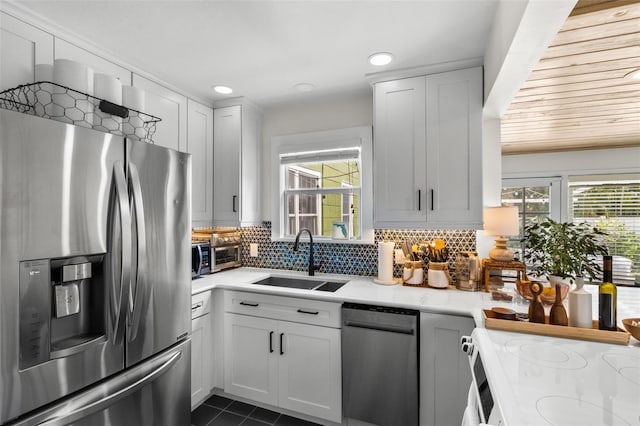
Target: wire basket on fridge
[{"x": 50, "y": 100}]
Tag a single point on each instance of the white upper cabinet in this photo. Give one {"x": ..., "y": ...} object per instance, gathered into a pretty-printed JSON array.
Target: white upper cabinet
[
  {"x": 237, "y": 165},
  {"x": 21, "y": 47},
  {"x": 171, "y": 107},
  {"x": 66, "y": 50},
  {"x": 427, "y": 151},
  {"x": 200, "y": 146},
  {"x": 454, "y": 148},
  {"x": 399, "y": 152}
]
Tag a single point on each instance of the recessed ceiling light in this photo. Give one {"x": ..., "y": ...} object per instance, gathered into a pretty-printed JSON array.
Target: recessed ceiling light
[
  {"x": 304, "y": 87},
  {"x": 380, "y": 58},
  {"x": 223, "y": 90}
]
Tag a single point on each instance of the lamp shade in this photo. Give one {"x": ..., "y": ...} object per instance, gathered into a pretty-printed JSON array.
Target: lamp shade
[{"x": 501, "y": 221}]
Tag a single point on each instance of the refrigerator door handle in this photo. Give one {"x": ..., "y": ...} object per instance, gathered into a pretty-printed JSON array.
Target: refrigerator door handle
[
  {"x": 119, "y": 301},
  {"x": 137, "y": 282},
  {"x": 106, "y": 394}
]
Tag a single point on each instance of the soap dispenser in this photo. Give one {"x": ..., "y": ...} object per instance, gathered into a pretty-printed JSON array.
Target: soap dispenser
[{"x": 580, "y": 314}]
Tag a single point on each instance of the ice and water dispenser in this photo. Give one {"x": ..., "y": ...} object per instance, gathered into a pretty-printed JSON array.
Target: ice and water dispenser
[{"x": 62, "y": 307}]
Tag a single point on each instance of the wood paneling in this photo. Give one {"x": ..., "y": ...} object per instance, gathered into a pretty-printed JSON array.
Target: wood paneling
[{"x": 581, "y": 95}]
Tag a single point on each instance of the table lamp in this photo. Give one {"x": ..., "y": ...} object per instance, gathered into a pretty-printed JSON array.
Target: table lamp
[{"x": 501, "y": 221}]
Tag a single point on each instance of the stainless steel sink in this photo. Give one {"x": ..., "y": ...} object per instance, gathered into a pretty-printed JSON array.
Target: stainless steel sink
[{"x": 301, "y": 283}]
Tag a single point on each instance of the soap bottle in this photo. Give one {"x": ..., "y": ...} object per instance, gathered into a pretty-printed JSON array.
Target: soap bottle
[{"x": 580, "y": 314}]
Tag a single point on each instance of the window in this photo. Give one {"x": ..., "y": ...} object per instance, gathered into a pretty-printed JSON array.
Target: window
[
  {"x": 322, "y": 178},
  {"x": 612, "y": 203},
  {"x": 303, "y": 208},
  {"x": 535, "y": 198}
]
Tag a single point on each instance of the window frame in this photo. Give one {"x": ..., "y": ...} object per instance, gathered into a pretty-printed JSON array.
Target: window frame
[
  {"x": 324, "y": 140},
  {"x": 318, "y": 213}
]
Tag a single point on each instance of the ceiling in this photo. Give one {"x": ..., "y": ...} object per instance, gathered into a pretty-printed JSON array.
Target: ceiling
[
  {"x": 581, "y": 94},
  {"x": 263, "y": 48}
]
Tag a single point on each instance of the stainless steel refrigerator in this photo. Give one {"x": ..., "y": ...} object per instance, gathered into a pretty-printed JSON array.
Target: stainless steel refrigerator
[{"x": 94, "y": 277}]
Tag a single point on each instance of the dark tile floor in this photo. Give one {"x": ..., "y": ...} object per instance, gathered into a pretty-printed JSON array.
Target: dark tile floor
[{"x": 221, "y": 411}]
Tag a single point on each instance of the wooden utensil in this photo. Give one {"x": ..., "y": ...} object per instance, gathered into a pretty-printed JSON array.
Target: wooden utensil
[
  {"x": 558, "y": 314},
  {"x": 536, "y": 310}
]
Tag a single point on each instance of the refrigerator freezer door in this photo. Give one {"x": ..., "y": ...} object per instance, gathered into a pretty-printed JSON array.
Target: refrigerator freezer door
[
  {"x": 56, "y": 181},
  {"x": 160, "y": 195},
  {"x": 153, "y": 393}
]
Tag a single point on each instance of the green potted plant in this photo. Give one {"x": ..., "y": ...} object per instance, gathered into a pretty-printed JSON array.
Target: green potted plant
[{"x": 563, "y": 249}]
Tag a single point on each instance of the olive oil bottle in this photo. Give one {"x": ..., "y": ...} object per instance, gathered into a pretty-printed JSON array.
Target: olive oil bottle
[{"x": 607, "y": 297}]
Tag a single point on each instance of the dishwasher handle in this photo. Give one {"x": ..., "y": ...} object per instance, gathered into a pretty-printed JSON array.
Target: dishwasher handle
[{"x": 381, "y": 327}]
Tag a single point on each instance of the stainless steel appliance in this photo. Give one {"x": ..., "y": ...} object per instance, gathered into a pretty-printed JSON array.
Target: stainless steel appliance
[
  {"x": 200, "y": 259},
  {"x": 380, "y": 364},
  {"x": 226, "y": 244},
  {"x": 94, "y": 280}
]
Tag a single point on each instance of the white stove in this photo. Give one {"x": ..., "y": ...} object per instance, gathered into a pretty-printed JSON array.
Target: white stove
[{"x": 537, "y": 380}]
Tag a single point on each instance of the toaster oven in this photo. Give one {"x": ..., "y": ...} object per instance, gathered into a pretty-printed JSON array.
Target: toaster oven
[{"x": 225, "y": 247}]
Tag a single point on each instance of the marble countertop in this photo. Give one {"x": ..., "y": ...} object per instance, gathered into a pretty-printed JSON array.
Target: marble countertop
[
  {"x": 360, "y": 289},
  {"x": 535, "y": 380}
]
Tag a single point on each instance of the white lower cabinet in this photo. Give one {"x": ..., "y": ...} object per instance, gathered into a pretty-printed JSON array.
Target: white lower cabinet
[
  {"x": 309, "y": 370},
  {"x": 251, "y": 364},
  {"x": 445, "y": 374},
  {"x": 287, "y": 364},
  {"x": 201, "y": 349}
]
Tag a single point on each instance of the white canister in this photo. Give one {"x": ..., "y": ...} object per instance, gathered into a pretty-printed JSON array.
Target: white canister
[
  {"x": 72, "y": 107},
  {"x": 134, "y": 99},
  {"x": 109, "y": 88},
  {"x": 580, "y": 314},
  {"x": 44, "y": 73},
  {"x": 412, "y": 272},
  {"x": 438, "y": 275}
]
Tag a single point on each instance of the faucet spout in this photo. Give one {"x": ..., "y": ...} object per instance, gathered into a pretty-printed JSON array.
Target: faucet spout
[{"x": 312, "y": 267}]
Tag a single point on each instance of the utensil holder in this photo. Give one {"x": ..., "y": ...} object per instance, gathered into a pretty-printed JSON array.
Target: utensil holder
[
  {"x": 413, "y": 272},
  {"x": 438, "y": 275}
]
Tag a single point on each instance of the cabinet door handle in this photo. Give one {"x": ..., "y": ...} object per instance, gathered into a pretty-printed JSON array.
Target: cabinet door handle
[
  {"x": 302, "y": 311},
  {"x": 196, "y": 306},
  {"x": 271, "y": 342},
  {"x": 281, "y": 348},
  {"x": 432, "y": 191},
  {"x": 233, "y": 203},
  {"x": 419, "y": 199},
  {"x": 250, "y": 304}
]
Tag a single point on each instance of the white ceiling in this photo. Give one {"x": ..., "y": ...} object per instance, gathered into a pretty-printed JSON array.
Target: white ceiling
[{"x": 263, "y": 48}]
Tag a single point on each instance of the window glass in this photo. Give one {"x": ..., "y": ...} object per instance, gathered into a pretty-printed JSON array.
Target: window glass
[
  {"x": 612, "y": 203},
  {"x": 535, "y": 199},
  {"x": 321, "y": 193}
]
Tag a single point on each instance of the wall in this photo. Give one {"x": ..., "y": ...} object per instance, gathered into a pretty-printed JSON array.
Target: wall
[
  {"x": 521, "y": 31},
  {"x": 614, "y": 160},
  {"x": 348, "y": 259},
  {"x": 341, "y": 111}
]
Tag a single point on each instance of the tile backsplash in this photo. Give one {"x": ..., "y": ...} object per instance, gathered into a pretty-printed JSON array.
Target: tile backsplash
[{"x": 340, "y": 258}]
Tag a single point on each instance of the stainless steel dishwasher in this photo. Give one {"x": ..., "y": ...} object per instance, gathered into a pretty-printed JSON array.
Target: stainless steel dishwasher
[{"x": 380, "y": 364}]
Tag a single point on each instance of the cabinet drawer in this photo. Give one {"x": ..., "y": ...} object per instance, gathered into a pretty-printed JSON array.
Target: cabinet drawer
[
  {"x": 305, "y": 311},
  {"x": 200, "y": 304}
]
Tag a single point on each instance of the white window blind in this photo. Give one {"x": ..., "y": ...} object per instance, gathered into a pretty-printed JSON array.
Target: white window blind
[{"x": 612, "y": 203}]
